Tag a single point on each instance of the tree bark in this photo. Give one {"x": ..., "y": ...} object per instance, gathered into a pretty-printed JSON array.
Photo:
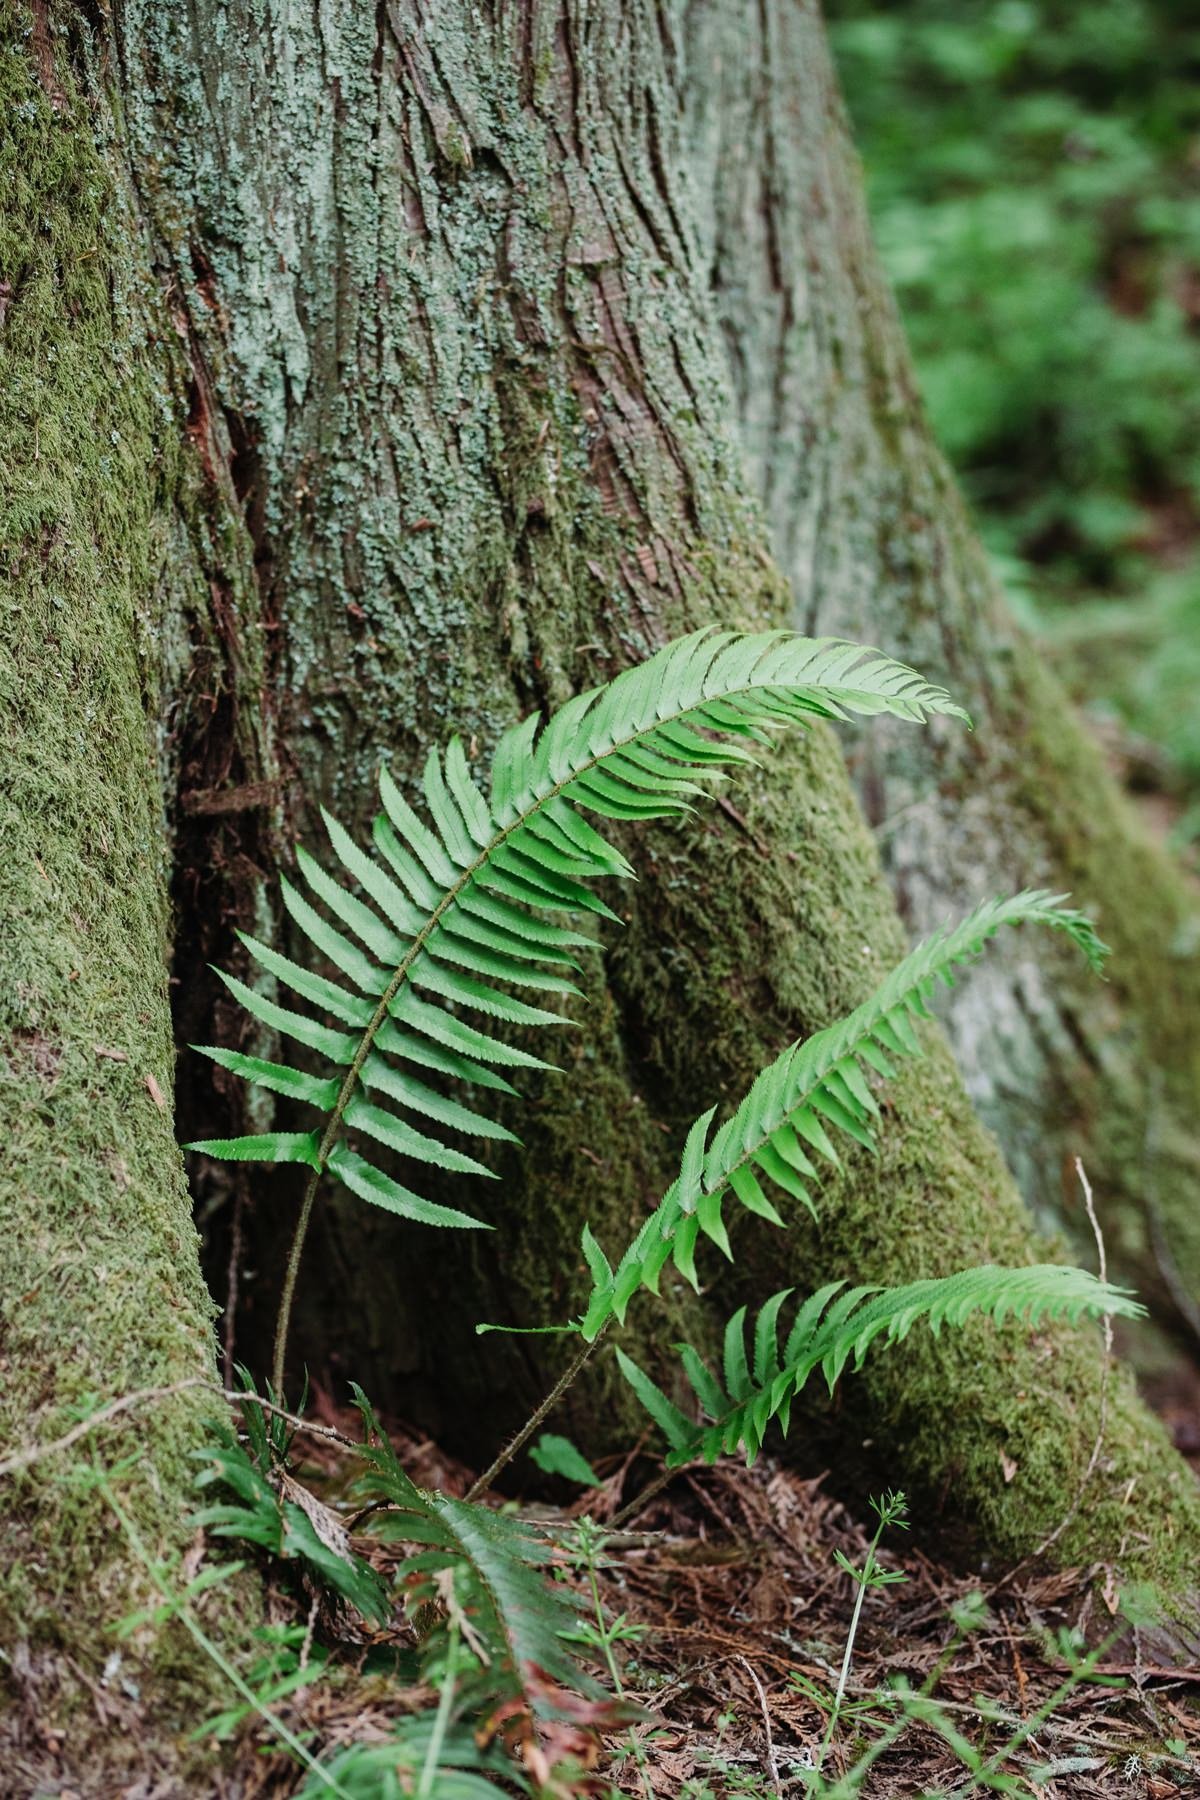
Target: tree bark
[
  {"x": 106, "y": 620},
  {"x": 442, "y": 430},
  {"x": 869, "y": 528}
]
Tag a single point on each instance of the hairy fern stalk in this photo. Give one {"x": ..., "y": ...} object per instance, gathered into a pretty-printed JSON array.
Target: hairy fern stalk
[{"x": 471, "y": 895}]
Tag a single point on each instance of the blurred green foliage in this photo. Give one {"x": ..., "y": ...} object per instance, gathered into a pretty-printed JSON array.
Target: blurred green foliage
[{"x": 1033, "y": 169}]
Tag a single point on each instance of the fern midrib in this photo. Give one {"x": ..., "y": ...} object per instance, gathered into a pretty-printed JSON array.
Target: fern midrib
[{"x": 750, "y": 1154}]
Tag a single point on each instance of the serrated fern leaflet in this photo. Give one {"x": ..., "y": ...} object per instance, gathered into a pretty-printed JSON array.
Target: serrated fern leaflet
[
  {"x": 457, "y": 901},
  {"x": 785, "y": 1119},
  {"x": 836, "y": 1326}
]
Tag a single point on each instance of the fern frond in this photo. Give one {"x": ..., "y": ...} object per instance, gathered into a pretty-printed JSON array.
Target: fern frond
[
  {"x": 378, "y": 1769},
  {"x": 837, "y": 1326},
  {"x": 429, "y": 935},
  {"x": 503, "y": 1577},
  {"x": 283, "y": 1519},
  {"x": 815, "y": 1088}
]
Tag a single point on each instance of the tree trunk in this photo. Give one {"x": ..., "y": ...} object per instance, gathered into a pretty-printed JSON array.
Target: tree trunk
[
  {"x": 441, "y": 430},
  {"x": 106, "y": 624},
  {"x": 868, "y": 527}
]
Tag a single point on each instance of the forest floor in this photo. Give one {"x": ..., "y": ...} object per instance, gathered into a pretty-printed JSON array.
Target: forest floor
[{"x": 734, "y": 1576}]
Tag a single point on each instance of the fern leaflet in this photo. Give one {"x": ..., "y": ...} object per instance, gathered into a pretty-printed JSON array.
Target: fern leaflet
[
  {"x": 786, "y": 1116},
  {"x": 516, "y": 1616},
  {"x": 837, "y": 1325}
]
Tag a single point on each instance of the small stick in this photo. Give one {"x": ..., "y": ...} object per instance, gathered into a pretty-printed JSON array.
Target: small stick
[
  {"x": 772, "y": 1765},
  {"x": 33, "y": 1453}
]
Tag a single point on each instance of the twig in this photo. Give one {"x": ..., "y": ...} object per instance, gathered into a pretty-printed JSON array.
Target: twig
[
  {"x": 281, "y": 1412},
  {"x": 32, "y": 1453},
  {"x": 772, "y": 1765},
  {"x": 1072, "y": 1512}
]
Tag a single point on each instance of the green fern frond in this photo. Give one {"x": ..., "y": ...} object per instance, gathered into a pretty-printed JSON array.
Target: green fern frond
[
  {"x": 282, "y": 1519},
  {"x": 430, "y": 934},
  {"x": 502, "y": 1571},
  {"x": 385, "y": 1769},
  {"x": 815, "y": 1087},
  {"x": 837, "y": 1326}
]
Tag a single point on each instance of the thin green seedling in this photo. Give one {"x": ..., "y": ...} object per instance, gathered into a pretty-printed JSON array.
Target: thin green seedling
[
  {"x": 604, "y": 1635},
  {"x": 180, "y": 1609},
  {"x": 441, "y": 1720},
  {"x": 968, "y": 1616},
  {"x": 890, "y": 1509}
]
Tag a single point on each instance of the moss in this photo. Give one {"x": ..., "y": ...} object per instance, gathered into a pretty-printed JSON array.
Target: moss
[
  {"x": 498, "y": 463},
  {"x": 101, "y": 1283}
]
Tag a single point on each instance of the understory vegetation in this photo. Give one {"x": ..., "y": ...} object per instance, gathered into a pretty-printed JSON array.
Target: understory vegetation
[
  {"x": 1033, "y": 172},
  {"x": 497, "y": 1615}
]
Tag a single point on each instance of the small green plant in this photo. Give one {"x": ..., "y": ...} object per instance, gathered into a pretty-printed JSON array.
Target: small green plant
[
  {"x": 892, "y": 1510},
  {"x": 266, "y": 1507},
  {"x": 475, "y": 894}
]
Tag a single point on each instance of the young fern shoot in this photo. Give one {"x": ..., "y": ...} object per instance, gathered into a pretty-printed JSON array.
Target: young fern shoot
[{"x": 470, "y": 896}]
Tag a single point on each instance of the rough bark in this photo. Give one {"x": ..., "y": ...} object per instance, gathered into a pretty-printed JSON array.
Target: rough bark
[
  {"x": 446, "y": 360},
  {"x": 868, "y": 527},
  {"x": 454, "y": 286}
]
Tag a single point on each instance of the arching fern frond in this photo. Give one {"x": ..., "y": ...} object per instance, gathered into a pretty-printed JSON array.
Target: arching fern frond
[
  {"x": 815, "y": 1087},
  {"x": 429, "y": 935},
  {"x": 836, "y": 1326}
]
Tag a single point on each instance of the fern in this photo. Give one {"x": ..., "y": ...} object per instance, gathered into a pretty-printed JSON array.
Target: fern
[
  {"x": 837, "y": 1325},
  {"x": 397, "y": 1765},
  {"x": 786, "y": 1117},
  {"x": 283, "y": 1519},
  {"x": 459, "y": 901},
  {"x": 516, "y": 1618}
]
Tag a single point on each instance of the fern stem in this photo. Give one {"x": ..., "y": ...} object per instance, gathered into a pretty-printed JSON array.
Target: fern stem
[
  {"x": 333, "y": 1128},
  {"x": 488, "y": 1478},
  {"x": 632, "y": 1507},
  {"x": 283, "y": 1318}
]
